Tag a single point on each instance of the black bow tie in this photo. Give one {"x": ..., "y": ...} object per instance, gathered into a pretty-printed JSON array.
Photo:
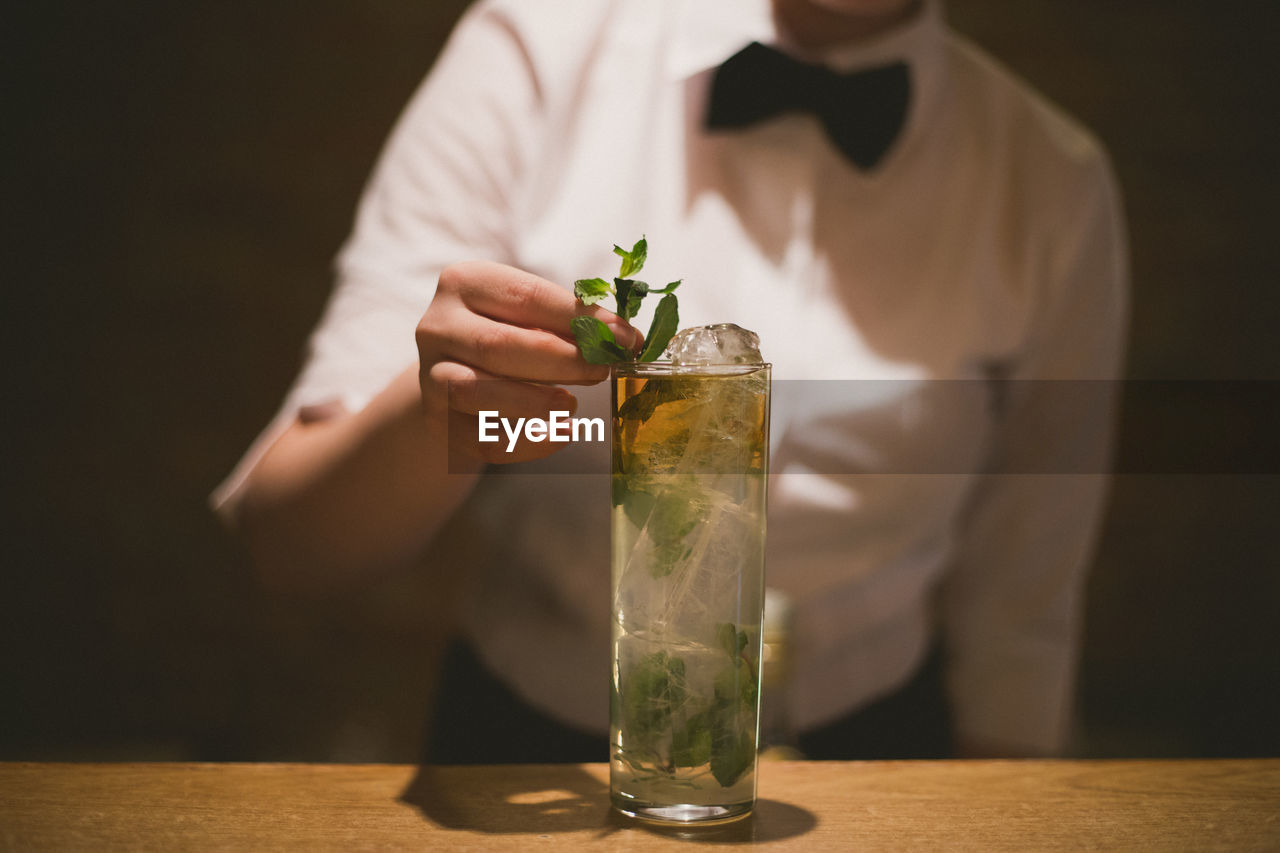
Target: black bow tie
[{"x": 861, "y": 111}]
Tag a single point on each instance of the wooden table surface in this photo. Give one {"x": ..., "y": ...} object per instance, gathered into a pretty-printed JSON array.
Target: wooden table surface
[{"x": 911, "y": 805}]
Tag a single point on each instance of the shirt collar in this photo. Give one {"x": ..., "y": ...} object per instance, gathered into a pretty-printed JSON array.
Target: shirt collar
[{"x": 710, "y": 31}]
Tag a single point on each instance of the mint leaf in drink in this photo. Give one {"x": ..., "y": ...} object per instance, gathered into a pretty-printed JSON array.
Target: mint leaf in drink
[
  {"x": 731, "y": 756},
  {"x": 672, "y": 518},
  {"x": 666, "y": 319},
  {"x": 670, "y": 511},
  {"x": 591, "y": 290},
  {"x": 654, "y": 690},
  {"x": 731, "y": 640},
  {"x": 727, "y": 637},
  {"x": 633, "y": 261},
  {"x": 636, "y": 501},
  {"x": 691, "y": 745},
  {"x": 596, "y": 343},
  {"x": 656, "y": 392},
  {"x": 630, "y": 293},
  {"x": 730, "y": 719},
  {"x": 654, "y": 687}
]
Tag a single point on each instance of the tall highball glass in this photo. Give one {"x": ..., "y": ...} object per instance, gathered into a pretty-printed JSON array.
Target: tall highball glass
[{"x": 690, "y": 448}]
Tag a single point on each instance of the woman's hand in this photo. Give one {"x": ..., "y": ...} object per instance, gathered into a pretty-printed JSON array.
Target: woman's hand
[{"x": 496, "y": 338}]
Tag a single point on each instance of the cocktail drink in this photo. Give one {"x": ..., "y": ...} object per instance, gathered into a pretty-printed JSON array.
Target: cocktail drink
[{"x": 690, "y": 465}]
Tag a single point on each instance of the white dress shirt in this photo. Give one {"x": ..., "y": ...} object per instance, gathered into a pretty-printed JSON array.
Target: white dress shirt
[{"x": 988, "y": 242}]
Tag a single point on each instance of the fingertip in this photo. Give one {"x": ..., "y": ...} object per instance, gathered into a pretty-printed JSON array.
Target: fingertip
[
  {"x": 595, "y": 374},
  {"x": 565, "y": 401},
  {"x": 626, "y": 335}
]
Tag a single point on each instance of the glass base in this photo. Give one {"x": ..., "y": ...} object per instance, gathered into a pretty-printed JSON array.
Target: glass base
[{"x": 684, "y": 814}]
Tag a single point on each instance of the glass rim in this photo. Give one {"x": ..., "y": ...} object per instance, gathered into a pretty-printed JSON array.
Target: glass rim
[{"x": 668, "y": 368}]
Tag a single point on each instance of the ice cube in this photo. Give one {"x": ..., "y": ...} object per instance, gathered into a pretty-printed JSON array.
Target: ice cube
[{"x": 723, "y": 343}]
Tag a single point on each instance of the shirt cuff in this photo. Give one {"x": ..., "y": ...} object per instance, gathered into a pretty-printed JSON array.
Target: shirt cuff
[
  {"x": 1019, "y": 696},
  {"x": 224, "y": 498}
]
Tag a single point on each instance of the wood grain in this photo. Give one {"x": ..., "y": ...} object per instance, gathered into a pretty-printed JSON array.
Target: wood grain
[{"x": 974, "y": 805}]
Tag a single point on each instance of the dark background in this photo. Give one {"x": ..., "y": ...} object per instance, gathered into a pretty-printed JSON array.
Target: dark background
[{"x": 176, "y": 180}]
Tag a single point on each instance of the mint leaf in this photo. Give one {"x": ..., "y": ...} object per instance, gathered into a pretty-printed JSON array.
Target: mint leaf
[
  {"x": 656, "y": 392},
  {"x": 652, "y": 690},
  {"x": 731, "y": 717},
  {"x": 669, "y": 288},
  {"x": 727, "y": 637},
  {"x": 596, "y": 343},
  {"x": 632, "y": 261},
  {"x": 731, "y": 756},
  {"x": 636, "y": 501},
  {"x": 691, "y": 745},
  {"x": 732, "y": 722},
  {"x": 591, "y": 290},
  {"x": 630, "y": 293},
  {"x": 666, "y": 319},
  {"x": 672, "y": 518}
]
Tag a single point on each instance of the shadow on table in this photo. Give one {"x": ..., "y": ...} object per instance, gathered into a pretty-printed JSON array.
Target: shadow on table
[{"x": 561, "y": 798}]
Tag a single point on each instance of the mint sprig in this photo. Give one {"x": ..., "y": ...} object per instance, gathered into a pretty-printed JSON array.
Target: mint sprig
[{"x": 596, "y": 343}]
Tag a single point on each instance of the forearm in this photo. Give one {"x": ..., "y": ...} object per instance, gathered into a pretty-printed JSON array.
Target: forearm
[
  {"x": 342, "y": 500},
  {"x": 1012, "y": 610}
]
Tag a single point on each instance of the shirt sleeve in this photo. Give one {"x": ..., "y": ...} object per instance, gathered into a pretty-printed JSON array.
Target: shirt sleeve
[
  {"x": 442, "y": 192},
  {"x": 1011, "y": 604}
]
